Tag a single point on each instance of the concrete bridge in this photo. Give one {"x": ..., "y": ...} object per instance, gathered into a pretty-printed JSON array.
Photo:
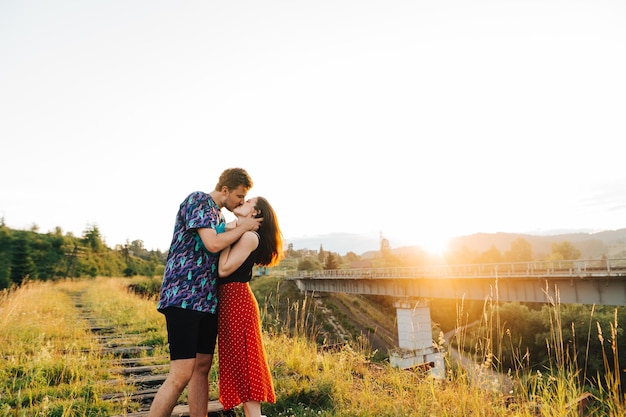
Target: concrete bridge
[{"x": 600, "y": 282}]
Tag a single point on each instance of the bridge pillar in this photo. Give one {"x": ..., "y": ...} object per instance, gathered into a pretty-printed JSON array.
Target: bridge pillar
[{"x": 415, "y": 339}]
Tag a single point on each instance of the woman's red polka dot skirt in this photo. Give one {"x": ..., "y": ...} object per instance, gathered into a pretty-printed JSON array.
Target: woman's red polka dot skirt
[{"x": 244, "y": 374}]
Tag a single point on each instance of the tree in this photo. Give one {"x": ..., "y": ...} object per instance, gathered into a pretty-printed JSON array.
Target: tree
[
  {"x": 137, "y": 249},
  {"x": 564, "y": 251},
  {"x": 309, "y": 263},
  {"x": 521, "y": 326},
  {"x": 22, "y": 265},
  {"x": 291, "y": 252},
  {"x": 48, "y": 253},
  {"x": 5, "y": 256},
  {"x": 493, "y": 255},
  {"x": 351, "y": 257},
  {"x": 93, "y": 239},
  {"x": 521, "y": 251},
  {"x": 332, "y": 261}
]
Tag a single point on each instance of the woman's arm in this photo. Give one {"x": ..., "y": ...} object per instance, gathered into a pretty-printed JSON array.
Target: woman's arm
[{"x": 233, "y": 256}]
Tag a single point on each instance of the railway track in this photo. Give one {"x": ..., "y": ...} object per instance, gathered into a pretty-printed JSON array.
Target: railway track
[{"x": 137, "y": 366}]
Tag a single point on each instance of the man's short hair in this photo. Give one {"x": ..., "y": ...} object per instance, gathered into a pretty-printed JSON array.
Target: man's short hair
[{"x": 232, "y": 178}]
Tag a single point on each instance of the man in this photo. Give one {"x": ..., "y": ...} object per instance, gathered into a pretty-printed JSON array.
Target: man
[{"x": 188, "y": 296}]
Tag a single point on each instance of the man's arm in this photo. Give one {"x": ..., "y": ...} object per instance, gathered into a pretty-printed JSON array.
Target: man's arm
[{"x": 215, "y": 242}]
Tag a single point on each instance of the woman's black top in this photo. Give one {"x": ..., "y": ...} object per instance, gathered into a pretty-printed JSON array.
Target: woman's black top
[{"x": 244, "y": 272}]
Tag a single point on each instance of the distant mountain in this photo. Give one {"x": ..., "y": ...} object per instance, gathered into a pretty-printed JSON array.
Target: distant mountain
[
  {"x": 340, "y": 243},
  {"x": 611, "y": 243}
]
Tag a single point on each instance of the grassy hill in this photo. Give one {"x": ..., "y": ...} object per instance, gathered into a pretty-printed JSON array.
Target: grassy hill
[{"x": 49, "y": 364}]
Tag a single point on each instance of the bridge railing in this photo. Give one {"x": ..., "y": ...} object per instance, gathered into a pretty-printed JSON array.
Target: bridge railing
[{"x": 557, "y": 268}]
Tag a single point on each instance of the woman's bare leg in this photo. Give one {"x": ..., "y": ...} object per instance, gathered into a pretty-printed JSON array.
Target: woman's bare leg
[{"x": 252, "y": 408}]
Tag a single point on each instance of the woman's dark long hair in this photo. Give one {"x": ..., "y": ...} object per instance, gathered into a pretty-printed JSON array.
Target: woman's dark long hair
[{"x": 270, "y": 250}]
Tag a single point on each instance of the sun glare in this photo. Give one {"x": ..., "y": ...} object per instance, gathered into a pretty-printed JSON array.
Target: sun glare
[{"x": 434, "y": 244}]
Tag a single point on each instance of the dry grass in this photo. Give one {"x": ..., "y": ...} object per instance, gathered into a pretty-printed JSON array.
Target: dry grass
[{"x": 50, "y": 365}]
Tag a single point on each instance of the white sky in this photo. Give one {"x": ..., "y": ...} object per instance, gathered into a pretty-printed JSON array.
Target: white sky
[{"x": 421, "y": 119}]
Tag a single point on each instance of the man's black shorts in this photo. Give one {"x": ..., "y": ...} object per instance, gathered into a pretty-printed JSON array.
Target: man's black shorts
[{"x": 190, "y": 332}]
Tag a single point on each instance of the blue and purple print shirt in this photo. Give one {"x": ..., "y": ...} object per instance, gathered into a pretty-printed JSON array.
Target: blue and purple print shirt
[{"x": 190, "y": 278}]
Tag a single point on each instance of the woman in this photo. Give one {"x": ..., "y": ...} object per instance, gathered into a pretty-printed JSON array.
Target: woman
[{"x": 244, "y": 375}]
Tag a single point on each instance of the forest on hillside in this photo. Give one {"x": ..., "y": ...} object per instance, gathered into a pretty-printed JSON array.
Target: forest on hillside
[{"x": 30, "y": 255}]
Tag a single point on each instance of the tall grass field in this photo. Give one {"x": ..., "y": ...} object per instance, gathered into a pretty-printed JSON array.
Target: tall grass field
[{"x": 52, "y": 362}]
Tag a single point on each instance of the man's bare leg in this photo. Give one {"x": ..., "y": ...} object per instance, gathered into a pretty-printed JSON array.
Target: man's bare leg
[
  {"x": 177, "y": 379},
  {"x": 198, "y": 392}
]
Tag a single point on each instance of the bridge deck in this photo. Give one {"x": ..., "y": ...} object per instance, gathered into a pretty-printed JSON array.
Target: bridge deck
[{"x": 578, "y": 282}]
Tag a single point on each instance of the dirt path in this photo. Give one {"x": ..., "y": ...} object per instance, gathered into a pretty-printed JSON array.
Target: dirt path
[{"x": 480, "y": 375}]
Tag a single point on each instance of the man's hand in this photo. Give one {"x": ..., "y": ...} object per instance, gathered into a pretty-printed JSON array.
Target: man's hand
[{"x": 250, "y": 223}]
